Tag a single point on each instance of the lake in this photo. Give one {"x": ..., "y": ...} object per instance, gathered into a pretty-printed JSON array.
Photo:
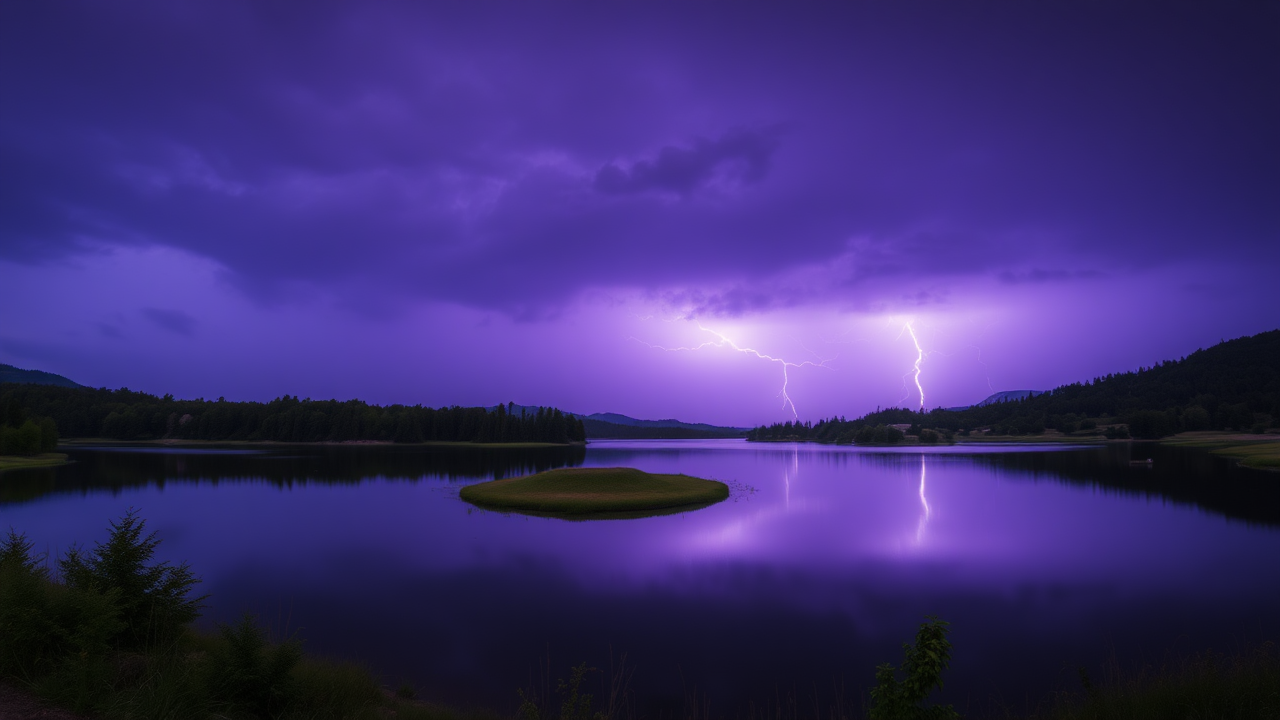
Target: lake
[{"x": 821, "y": 564}]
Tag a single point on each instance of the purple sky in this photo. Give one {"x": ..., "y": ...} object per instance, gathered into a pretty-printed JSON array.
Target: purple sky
[{"x": 470, "y": 203}]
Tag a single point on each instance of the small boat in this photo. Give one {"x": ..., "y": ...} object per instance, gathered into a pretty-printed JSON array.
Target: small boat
[{"x": 1141, "y": 463}]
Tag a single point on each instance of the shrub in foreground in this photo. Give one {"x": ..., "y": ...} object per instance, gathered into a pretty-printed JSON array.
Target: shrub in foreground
[
  {"x": 153, "y": 599},
  {"x": 922, "y": 666}
]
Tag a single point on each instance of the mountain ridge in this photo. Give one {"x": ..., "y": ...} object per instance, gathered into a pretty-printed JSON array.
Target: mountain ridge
[{"x": 11, "y": 374}]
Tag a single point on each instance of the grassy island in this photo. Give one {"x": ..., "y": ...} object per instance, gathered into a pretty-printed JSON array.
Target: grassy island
[
  {"x": 15, "y": 462},
  {"x": 582, "y": 493}
]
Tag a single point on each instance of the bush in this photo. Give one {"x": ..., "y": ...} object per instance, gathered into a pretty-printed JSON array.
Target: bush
[
  {"x": 1116, "y": 432},
  {"x": 923, "y": 665},
  {"x": 248, "y": 674},
  {"x": 878, "y": 435},
  {"x": 32, "y": 437},
  {"x": 929, "y": 437},
  {"x": 50, "y": 629},
  {"x": 152, "y": 599}
]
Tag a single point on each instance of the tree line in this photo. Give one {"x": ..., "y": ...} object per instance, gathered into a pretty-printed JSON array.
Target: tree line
[
  {"x": 129, "y": 415},
  {"x": 1234, "y": 385},
  {"x": 21, "y": 433}
]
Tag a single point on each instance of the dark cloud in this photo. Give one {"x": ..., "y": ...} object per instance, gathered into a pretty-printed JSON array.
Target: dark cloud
[
  {"x": 1039, "y": 275},
  {"x": 512, "y": 160},
  {"x": 737, "y": 158},
  {"x": 174, "y": 321}
]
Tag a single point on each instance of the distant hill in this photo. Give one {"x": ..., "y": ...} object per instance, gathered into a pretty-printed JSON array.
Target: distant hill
[
  {"x": 613, "y": 426},
  {"x": 1232, "y": 385},
  {"x": 601, "y": 430},
  {"x": 1004, "y": 396},
  {"x": 1008, "y": 396},
  {"x": 11, "y": 374}
]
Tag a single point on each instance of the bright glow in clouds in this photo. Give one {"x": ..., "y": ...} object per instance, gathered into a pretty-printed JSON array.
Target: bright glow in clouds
[
  {"x": 162, "y": 321},
  {"x": 723, "y": 341}
]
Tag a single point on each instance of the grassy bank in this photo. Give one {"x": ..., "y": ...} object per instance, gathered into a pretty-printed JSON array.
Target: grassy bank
[
  {"x": 15, "y": 462},
  {"x": 1242, "y": 686},
  {"x": 585, "y": 492},
  {"x": 1261, "y": 452}
]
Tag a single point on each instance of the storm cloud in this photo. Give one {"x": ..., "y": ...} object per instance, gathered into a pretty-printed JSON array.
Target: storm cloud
[{"x": 413, "y": 151}]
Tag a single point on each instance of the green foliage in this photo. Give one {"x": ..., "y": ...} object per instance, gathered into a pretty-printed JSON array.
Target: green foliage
[
  {"x": 163, "y": 685},
  {"x": 15, "y": 553},
  {"x": 574, "y": 704},
  {"x": 578, "y": 492},
  {"x": 32, "y": 437},
  {"x": 70, "y": 642},
  {"x": 324, "y": 689},
  {"x": 923, "y": 664},
  {"x": 1116, "y": 432},
  {"x": 878, "y": 435},
  {"x": 153, "y": 599},
  {"x": 48, "y": 628},
  {"x": 247, "y": 674},
  {"x": 1242, "y": 686}
]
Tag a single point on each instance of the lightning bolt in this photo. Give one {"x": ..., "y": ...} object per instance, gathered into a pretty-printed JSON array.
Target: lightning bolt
[
  {"x": 919, "y": 359},
  {"x": 723, "y": 341}
]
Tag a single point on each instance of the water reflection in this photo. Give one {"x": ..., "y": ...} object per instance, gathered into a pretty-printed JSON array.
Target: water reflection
[
  {"x": 120, "y": 467},
  {"x": 1051, "y": 557},
  {"x": 924, "y": 503}
]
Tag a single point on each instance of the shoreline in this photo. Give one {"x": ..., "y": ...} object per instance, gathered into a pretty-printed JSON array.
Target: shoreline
[
  {"x": 971, "y": 440},
  {"x": 176, "y": 442},
  {"x": 1256, "y": 452},
  {"x": 22, "y": 462}
]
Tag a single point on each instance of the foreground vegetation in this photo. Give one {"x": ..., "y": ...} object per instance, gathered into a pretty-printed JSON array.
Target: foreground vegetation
[
  {"x": 111, "y": 636},
  {"x": 1234, "y": 385},
  {"x": 1243, "y": 686},
  {"x": 590, "y": 492}
]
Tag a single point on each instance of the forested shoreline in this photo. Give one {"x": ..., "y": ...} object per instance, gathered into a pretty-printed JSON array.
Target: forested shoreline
[
  {"x": 129, "y": 415},
  {"x": 1234, "y": 385}
]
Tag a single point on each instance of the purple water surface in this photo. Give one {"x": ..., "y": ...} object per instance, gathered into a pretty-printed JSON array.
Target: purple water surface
[{"x": 822, "y": 562}]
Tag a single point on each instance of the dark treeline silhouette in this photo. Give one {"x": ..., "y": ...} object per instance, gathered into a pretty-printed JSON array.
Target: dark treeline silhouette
[
  {"x": 1234, "y": 385},
  {"x": 127, "y": 415},
  {"x": 112, "y": 469},
  {"x": 22, "y": 433},
  {"x": 614, "y": 431}
]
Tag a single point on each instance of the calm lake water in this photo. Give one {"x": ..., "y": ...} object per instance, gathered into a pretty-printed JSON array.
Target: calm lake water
[{"x": 823, "y": 561}]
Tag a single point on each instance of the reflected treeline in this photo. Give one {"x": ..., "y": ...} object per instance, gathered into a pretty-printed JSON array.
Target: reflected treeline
[
  {"x": 117, "y": 468},
  {"x": 1189, "y": 476},
  {"x": 1181, "y": 475}
]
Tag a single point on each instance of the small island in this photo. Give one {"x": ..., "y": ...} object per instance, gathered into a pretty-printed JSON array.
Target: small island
[{"x": 590, "y": 493}]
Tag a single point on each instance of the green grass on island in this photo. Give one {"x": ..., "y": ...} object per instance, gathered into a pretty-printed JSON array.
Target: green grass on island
[
  {"x": 14, "y": 462},
  {"x": 596, "y": 492}
]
